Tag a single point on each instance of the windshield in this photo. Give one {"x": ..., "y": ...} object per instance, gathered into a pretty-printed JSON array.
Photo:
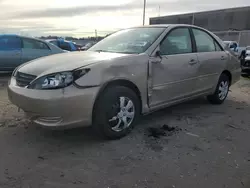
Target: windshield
[
  {"x": 248, "y": 48},
  {"x": 130, "y": 41}
]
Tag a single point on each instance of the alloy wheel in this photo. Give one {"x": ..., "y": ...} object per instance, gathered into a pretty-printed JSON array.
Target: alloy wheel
[
  {"x": 123, "y": 115},
  {"x": 223, "y": 90}
]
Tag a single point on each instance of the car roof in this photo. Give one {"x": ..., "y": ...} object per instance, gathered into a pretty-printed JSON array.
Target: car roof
[
  {"x": 230, "y": 41},
  {"x": 12, "y": 35},
  {"x": 169, "y": 25},
  {"x": 50, "y": 40},
  {"x": 15, "y": 35},
  {"x": 58, "y": 40},
  {"x": 156, "y": 25}
]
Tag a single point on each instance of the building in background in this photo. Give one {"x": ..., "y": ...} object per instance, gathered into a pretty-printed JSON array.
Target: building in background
[{"x": 229, "y": 24}]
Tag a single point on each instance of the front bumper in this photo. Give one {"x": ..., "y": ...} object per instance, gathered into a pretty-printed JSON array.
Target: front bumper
[{"x": 68, "y": 107}]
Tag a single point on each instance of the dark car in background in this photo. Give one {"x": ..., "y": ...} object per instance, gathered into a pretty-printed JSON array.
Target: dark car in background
[
  {"x": 65, "y": 45},
  {"x": 16, "y": 50}
]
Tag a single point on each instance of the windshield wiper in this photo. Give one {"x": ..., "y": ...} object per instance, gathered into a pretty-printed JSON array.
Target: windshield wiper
[{"x": 115, "y": 52}]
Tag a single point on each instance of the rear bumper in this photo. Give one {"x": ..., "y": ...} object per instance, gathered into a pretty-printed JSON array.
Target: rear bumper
[{"x": 69, "y": 107}]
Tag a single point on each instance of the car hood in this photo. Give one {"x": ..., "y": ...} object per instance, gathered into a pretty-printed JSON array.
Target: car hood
[{"x": 65, "y": 62}]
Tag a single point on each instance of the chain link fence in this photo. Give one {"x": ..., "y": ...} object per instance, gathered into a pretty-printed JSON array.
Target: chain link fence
[{"x": 242, "y": 37}]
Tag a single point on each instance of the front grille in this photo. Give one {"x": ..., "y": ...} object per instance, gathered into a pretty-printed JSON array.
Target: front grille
[{"x": 23, "y": 79}]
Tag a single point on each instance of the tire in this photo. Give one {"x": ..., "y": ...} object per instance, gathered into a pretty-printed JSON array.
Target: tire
[
  {"x": 109, "y": 111},
  {"x": 221, "y": 91}
]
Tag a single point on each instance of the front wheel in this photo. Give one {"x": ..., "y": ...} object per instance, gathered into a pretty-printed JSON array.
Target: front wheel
[
  {"x": 116, "y": 112},
  {"x": 221, "y": 91}
]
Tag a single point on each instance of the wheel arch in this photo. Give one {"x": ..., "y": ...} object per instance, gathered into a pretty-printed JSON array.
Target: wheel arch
[
  {"x": 228, "y": 73},
  {"x": 118, "y": 82}
]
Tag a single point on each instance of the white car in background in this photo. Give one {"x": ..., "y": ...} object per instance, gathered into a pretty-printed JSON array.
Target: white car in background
[
  {"x": 87, "y": 46},
  {"x": 246, "y": 67},
  {"x": 232, "y": 45},
  {"x": 248, "y": 51}
]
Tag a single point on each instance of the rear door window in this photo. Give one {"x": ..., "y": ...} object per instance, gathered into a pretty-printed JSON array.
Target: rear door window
[
  {"x": 204, "y": 42},
  {"x": 10, "y": 43},
  {"x": 217, "y": 46},
  {"x": 34, "y": 44}
]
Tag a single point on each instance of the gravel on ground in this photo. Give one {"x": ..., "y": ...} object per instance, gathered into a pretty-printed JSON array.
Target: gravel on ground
[{"x": 200, "y": 145}]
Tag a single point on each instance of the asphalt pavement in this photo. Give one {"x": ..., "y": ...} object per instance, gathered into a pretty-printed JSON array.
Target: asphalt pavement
[{"x": 195, "y": 144}]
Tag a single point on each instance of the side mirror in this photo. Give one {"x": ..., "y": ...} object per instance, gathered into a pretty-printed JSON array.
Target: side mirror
[{"x": 158, "y": 53}]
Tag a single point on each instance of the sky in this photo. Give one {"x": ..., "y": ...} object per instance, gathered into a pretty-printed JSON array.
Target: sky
[{"x": 80, "y": 18}]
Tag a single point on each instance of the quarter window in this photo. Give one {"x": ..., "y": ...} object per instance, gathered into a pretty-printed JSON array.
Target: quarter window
[
  {"x": 204, "y": 42},
  {"x": 217, "y": 47},
  {"x": 34, "y": 44},
  {"x": 178, "y": 41},
  {"x": 10, "y": 43}
]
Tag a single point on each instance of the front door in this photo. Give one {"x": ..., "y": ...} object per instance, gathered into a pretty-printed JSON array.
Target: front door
[
  {"x": 175, "y": 73},
  {"x": 10, "y": 52}
]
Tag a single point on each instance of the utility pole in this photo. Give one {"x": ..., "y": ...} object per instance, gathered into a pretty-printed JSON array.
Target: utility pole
[
  {"x": 144, "y": 8},
  {"x": 159, "y": 10},
  {"x": 95, "y": 34},
  {"x": 193, "y": 19}
]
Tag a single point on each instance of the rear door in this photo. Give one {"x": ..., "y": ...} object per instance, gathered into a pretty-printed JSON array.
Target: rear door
[
  {"x": 10, "y": 52},
  {"x": 174, "y": 76},
  {"x": 212, "y": 59},
  {"x": 32, "y": 49}
]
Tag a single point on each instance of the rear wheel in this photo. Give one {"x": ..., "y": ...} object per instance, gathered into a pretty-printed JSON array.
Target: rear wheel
[
  {"x": 116, "y": 112},
  {"x": 221, "y": 91}
]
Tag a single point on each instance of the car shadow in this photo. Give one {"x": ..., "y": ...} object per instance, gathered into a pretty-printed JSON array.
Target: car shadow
[
  {"x": 85, "y": 137},
  {"x": 5, "y": 75},
  {"x": 181, "y": 109}
]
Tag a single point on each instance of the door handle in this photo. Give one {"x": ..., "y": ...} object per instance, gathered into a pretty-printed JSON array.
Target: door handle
[
  {"x": 192, "y": 62},
  {"x": 222, "y": 58}
]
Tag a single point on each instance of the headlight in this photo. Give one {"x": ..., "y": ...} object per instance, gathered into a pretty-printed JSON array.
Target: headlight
[{"x": 57, "y": 80}]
